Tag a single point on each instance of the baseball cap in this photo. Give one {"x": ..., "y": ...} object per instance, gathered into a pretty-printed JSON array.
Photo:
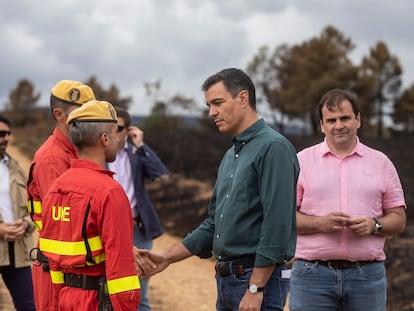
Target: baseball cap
[
  {"x": 93, "y": 111},
  {"x": 72, "y": 92}
]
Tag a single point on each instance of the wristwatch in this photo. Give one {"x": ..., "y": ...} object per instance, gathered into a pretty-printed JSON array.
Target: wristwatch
[
  {"x": 253, "y": 289},
  {"x": 378, "y": 226}
]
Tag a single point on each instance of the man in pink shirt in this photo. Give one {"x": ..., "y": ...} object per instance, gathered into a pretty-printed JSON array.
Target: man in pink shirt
[{"x": 349, "y": 199}]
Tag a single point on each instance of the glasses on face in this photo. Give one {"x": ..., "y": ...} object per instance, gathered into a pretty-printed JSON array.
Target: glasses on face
[
  {"x": 3, "y": 133},
  {"x": 120, "y": 128}
]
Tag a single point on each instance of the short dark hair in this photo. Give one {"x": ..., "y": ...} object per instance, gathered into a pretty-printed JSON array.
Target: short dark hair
[
  {"x": 234, "y": 80},
  {"x": 57, "y": 103},
  {"x": 334, "y": 98},
  {"x": 5, "y": 120},
  {"x": 123, "y": 113}
]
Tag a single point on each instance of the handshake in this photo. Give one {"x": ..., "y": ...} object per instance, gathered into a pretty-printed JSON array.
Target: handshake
[{"x": 149, "y": 263}]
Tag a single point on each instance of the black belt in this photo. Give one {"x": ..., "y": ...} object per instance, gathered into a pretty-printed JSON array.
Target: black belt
[
  {"x": 82, "y": 281},
  {"x": 234, "y": 266},
  {"x": 343, "y": 264}
]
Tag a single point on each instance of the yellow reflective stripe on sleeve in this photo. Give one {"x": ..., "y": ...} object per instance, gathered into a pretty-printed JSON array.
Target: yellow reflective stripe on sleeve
[
  {"x": 38, "y": 224},
  {"x": 29, "y": 207},
  {"x": 97, "y": 259},
  {"x": 123, "y": 284},
  {"x": 37, "y": 206},
  {"x": 69, "y": 248},
  {"x": 57, "y": 277}
]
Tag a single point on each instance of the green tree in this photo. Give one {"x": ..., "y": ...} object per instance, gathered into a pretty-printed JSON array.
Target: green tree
[
  {"x": 111, "y": 94},
  {"x": 22, "y": 101},
  {"x": 293, "y": 79},
  {"x": 404, "y": 111},
  {"x": 378, "y": 85}
]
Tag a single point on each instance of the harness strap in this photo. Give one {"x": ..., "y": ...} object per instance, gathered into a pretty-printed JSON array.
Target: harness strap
[{"x": 89, "y": 257}]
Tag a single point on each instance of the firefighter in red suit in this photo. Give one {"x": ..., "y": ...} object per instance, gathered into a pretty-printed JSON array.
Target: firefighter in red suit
[
  {"x": 87, "y": 222},
  {"x": 50, "y": 161}
]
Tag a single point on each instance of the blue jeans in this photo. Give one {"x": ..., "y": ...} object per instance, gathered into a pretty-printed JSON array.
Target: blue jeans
[
  {"x": 315, "y": 287},
  {"x": 141, "y": 242},
  {"x": 19, "y": 282},
  {"x": 231, "y": 289}
]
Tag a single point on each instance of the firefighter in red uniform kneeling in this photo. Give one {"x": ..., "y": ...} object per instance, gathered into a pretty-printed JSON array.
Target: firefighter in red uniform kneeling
[{"x": 87, "y": 222}]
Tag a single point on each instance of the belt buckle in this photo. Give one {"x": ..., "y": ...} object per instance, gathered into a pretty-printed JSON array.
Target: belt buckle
[{"x": 342, "y": 264}]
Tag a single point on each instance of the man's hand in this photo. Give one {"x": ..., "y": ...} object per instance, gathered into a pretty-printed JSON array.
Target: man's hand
[
  {"x": 332, "y": 222},
  {"x": 12, "y": 231},
  {"x": 159, "y": 260},
  {"x": 361, "y": 226},
  {"x": 143, "y": 264},
  {"x": 136, "y": 135},
  {"x": 149, "y": 263},
  {"x": 251, "y": 302}
]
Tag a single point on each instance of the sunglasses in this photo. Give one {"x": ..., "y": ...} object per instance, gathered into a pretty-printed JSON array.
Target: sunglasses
[
  {"x": 120, "y": 128},
  {"x": 4, "y": 133}
]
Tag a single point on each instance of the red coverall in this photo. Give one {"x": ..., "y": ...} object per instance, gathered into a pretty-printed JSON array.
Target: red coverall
[
  {"x": 86, "y": 203},
  {"x": 50, "y": 161}
]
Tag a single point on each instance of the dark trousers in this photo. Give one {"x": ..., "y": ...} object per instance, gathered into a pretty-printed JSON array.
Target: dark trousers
[{"x": 19, "y": 283}]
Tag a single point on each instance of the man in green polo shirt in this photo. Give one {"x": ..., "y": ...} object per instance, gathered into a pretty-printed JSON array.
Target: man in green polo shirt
[{"x": 251, "y": 223}]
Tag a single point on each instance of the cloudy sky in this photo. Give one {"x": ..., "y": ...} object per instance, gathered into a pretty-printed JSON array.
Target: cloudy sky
[{"x": 181, "y": 42}]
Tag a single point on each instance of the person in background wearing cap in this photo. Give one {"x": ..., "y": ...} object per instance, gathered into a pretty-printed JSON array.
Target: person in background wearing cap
[
  {"x": 49, "y": 162},
  {"x": 16, "y": 229},
  {"x": 135, "y": 162},
  {"x": 87, "y": 220}
]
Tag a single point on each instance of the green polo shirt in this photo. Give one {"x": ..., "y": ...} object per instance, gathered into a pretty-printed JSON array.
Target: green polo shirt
[{"x": 253, "y": 206}]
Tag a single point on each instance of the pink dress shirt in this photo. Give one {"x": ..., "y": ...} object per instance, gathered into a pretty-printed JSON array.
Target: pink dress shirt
[{"x": 362, "y": 184}]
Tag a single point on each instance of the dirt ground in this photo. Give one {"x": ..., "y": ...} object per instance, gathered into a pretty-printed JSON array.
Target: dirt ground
[{"x": 186, "y": 285}]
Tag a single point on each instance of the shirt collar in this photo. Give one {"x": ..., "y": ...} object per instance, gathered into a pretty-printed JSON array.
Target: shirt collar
[
  {"x": 245, "y": 136},
  {"x": 5, "y": 160},
  {"x": 357, "y": 149},
  {"x": 248, "y": 133},
  {"x": 81, "y": 163},
  {"x": 65, "y": 140},
  {"x": 125, "y": 147}
]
